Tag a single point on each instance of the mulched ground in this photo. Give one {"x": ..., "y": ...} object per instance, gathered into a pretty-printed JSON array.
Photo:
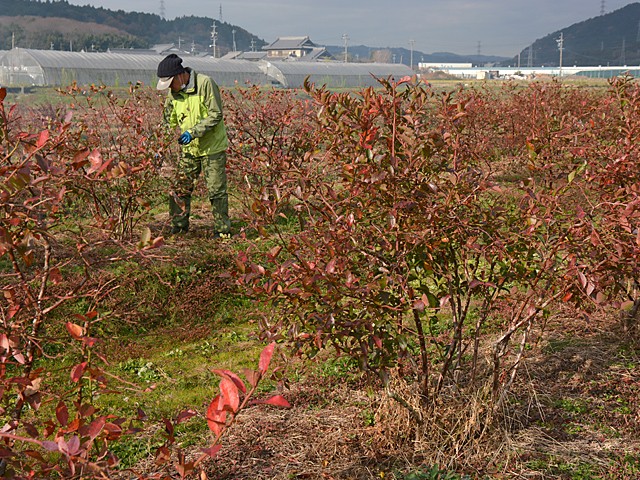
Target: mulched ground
[{"x": 575, "y": 414}]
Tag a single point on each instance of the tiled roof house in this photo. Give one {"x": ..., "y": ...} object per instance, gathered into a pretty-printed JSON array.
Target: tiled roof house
[{"x": 299, "y": 48}]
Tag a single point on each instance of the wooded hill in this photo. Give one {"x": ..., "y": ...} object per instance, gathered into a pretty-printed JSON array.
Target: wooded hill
[
  {"x": 20, "y": 28},
  {"x": 609, "y": 39}
]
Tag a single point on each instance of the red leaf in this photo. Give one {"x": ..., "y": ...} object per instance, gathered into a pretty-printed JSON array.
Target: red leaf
[
  {"x": 76, "y": 331},
  {"x": 233, "y": 377},
  {"x": 73, "y": 445},
  {"x": 274, "y": 252},
  {"x": 331, "y": 266},
  {"x": 87, "y": 410},
  {"x": 19, "y": 358},
  {"x": 265, "y": 357},
  {"x": 89, "y": 341},
  {"x": 113, "y": 430},
  {"x": 253, "y": 377},
  {"x": 3, "y": 94},
  {"x": 34, "y": 454},
  {"x": 50, "y": 446},
  {"x": 184, "y": 469},
  {"x": 276, "y": 400},
  {"x": 95, "y": 158},
  {"x": 78, "y": 371},
  {"x": 4, "y": 453},
  {"x": 80, "y": 159},
  {"x": 163, "y": 455},
  {"x": 185, "y": 415},
  {"x": 583, "y": 279},
  {"x": 229, "y": 393},
  {"x": 62, "y": 414},
  {"x": 13, "y": 309},
  {"x": 216, "y": 416},
  {"x": 94, "y": 428},
  {"x": 42, "y": 138},
  {"x": 55, "y": 276},
  {"x": 212, "y": 451}
]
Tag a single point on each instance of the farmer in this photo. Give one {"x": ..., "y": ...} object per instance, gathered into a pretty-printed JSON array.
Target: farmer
[{"x": 194, "y": 105}]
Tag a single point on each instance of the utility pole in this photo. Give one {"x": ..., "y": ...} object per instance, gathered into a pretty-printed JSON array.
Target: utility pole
[
  {"x": 602, "y": 3},
  {"x": 162, "y": 9},
  {"x": 530, "y": 57},
  {"x": 233, "y": 32},
  {"x": 345, "y": 39},
  {"x": 560, "y": 42},
  {"x": 214, "y": 38},
  {"x": 220, "y": 13},
  {"x": 623, "y": 56},
  {"x": 411, "y": 44}
]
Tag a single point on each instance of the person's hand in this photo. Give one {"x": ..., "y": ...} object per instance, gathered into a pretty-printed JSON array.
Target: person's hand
[{"x": 185, "y": 138}]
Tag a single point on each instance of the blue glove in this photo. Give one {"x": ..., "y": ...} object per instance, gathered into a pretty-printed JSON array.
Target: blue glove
[{"x": 185, "y": 138}]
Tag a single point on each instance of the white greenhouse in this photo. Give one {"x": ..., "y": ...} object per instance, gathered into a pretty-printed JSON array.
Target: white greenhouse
[
  {"x": 334, "y": 74},
  {"x": 21, "y": 67},
  {"x": 26, "y": 67}
]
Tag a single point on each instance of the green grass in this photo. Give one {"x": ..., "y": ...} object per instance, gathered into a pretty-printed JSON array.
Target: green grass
[{"x": 433, "y": 473}]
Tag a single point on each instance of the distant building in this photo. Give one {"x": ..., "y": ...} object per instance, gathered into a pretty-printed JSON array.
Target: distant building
[
  {"x": 251, "y": 56},
  {"x": 133, "y": 51},
  {"x": 295, "y": 48},
  {"x": 442, "y": 67}
]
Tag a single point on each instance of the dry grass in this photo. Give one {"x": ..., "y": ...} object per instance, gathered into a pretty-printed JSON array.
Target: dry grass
[
  {"x": 540, "y": 434},
  {"x": 564, "y": 417}
]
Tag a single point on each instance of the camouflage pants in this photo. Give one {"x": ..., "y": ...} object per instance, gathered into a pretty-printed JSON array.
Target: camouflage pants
[{"x": 215, "y": 176}]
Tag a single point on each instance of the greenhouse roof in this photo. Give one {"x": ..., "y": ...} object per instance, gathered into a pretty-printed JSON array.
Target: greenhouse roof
[
  {"x": 341, "y": 68},
  {"x": 124, "y": 61},
  {"x": 53, "y": 68}
]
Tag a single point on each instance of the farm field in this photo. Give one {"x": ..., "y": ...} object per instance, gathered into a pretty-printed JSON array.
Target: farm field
[{"x": 426, "y": 281}]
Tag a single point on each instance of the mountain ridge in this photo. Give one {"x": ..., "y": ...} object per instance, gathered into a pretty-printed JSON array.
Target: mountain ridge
[
  {"x": 612, "y": 38},
  {"x": 609, "y": 39}
]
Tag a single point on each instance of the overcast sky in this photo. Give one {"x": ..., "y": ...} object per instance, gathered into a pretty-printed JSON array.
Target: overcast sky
[{"x": 493, "y": 27}]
